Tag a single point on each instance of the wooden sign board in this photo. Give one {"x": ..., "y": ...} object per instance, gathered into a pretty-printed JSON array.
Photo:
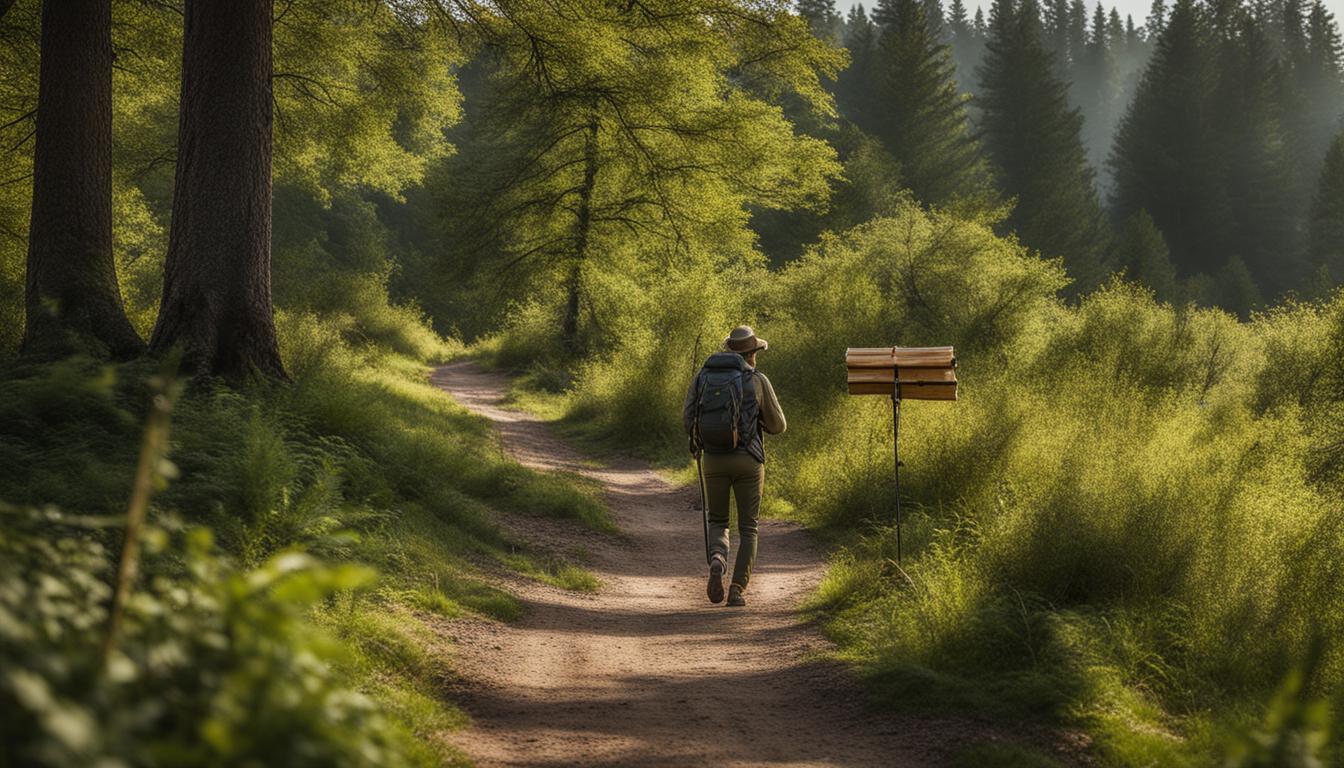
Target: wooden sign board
[{"x": 911, "y": 373}]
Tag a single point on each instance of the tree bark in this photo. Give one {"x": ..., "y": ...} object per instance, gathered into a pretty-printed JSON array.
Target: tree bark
[
  {"x": 569, "y": 331},
  {"x": 71, "y": 297},
  {"x": 216, "y": 302}
]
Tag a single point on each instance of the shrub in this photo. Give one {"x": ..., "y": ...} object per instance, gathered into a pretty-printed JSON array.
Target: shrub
[{"x": 215, "y": 666}]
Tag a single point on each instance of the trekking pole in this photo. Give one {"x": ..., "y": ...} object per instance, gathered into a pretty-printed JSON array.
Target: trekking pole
[
  {"x": 699, "y": 470},
  {"x": 704, "y": 503}
]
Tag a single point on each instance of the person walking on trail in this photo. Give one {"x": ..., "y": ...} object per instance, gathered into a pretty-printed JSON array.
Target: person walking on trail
[{"x": 728, "y": 407}]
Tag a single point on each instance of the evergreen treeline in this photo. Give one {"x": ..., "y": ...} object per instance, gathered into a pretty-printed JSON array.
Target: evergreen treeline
[{"x": 1186, "y": 150}]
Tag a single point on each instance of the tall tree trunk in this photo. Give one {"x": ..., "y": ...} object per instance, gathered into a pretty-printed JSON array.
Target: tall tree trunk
[
  {"x": 217, "y": 280},
  {"x": 569, "y": 331},
  {"x": 71, "y": 293}
]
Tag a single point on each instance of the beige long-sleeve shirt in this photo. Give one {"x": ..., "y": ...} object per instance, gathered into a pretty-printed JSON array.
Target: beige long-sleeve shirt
[{"x": 772, "y": 416}]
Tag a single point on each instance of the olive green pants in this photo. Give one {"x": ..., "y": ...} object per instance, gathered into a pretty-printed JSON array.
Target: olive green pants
[{"x": 744, "y": 477}]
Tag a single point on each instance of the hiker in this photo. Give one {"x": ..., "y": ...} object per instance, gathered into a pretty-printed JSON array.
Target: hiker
[{"x": 727, "y": 407}]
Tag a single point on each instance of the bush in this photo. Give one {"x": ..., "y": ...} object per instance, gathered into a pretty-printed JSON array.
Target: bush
[
  {"x": 215, "y": 666},
  {"x": 335, "y": 261}
]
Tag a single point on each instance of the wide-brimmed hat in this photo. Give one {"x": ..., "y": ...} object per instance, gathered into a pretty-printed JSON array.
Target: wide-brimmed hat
[{"x": 743, "y": 341}]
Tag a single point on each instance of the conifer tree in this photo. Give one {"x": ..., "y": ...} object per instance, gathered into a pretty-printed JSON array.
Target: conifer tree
[
  {"x": 883, "y": 11},
  {"x": 1033, "y": 139},
  {"x": 1234, "y": 288},
  {"x": 854, "y": 87},
  {"x": 1321, "y": 79},
  {"x": 1327, "y": 216},
  {"x": 967, "y": 46},
  {"x": 957, "y": 18},
  {"x": 1143, "y": 255},
  {"x": 1156, "y": 21},
  {"x": 1077, "y": 31},
  {"x": 1256, "y": 173},
  {"x": 1096, "y": 35},
  {"x": 1165, "y": 159},
  {"x": 936, "y": 21},
  {"x": 217, "y": 278},
  {"x": 919, "y": 115},
  {"x": 1293, "y": 31},
  {"x": 1095, "y": 87},
  {"x": 1292, "y": 43},
  {"x": 630, "y": 141},
  {"x": 71, "y": 292},
  {"x": 822, "y": 17},
  {"x": 1115, "y": 30},
  {"x": 1055, "y": 22}
]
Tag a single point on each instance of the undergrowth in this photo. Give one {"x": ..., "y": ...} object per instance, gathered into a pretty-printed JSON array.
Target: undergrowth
[{"x": 357, "y": 460}]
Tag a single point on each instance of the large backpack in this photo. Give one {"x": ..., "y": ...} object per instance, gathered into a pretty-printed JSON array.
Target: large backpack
[{"x": 726, "y": 411}]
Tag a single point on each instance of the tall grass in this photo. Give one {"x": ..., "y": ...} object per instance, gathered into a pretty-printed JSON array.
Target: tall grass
[{"x": 1131, "y": 520}]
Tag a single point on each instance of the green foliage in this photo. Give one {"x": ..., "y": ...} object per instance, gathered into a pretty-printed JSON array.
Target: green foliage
[
  {"x": 853, "y": 82},
  {"x": 337, "y": 260},
  {"x": 1129, "y": 522},
  {"x": 363, "y": 94},
  {"x": 1126, "y": 543},
  {"x": 618, "y": 142},
  {"x": 822, "y": 17},
  {"x": 1143, "y": 254},
  {"x": 1264, "y": 230},
  {"x": 1295, "y": 732},
  {"x": 216, "y": 666},
  {"x": 871, "y": 185}
]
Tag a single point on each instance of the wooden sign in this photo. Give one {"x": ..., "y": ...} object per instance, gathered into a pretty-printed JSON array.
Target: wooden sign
[
  {"x": 902, "y": 373},
  {"x": 909, "y": 373}
]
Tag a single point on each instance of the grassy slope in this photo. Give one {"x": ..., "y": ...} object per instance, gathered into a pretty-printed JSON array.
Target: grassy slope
[{"x": 357, "y": 459}]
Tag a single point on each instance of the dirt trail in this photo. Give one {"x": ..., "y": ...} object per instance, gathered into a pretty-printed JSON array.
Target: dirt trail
[{"x": 645, "y": 671}]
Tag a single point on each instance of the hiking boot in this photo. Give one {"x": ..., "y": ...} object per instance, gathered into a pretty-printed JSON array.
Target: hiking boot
[
  {"x": 735, "y": 598},
  {"x": 715, "y": 588}
]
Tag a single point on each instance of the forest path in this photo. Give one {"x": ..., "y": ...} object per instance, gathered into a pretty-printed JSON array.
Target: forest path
[{"x": 646, "y": 671}]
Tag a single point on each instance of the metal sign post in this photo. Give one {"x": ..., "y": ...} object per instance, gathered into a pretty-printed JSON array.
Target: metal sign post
[
  {"x": 896, "y": 453},
  {"x": 903, "y": 373}
]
